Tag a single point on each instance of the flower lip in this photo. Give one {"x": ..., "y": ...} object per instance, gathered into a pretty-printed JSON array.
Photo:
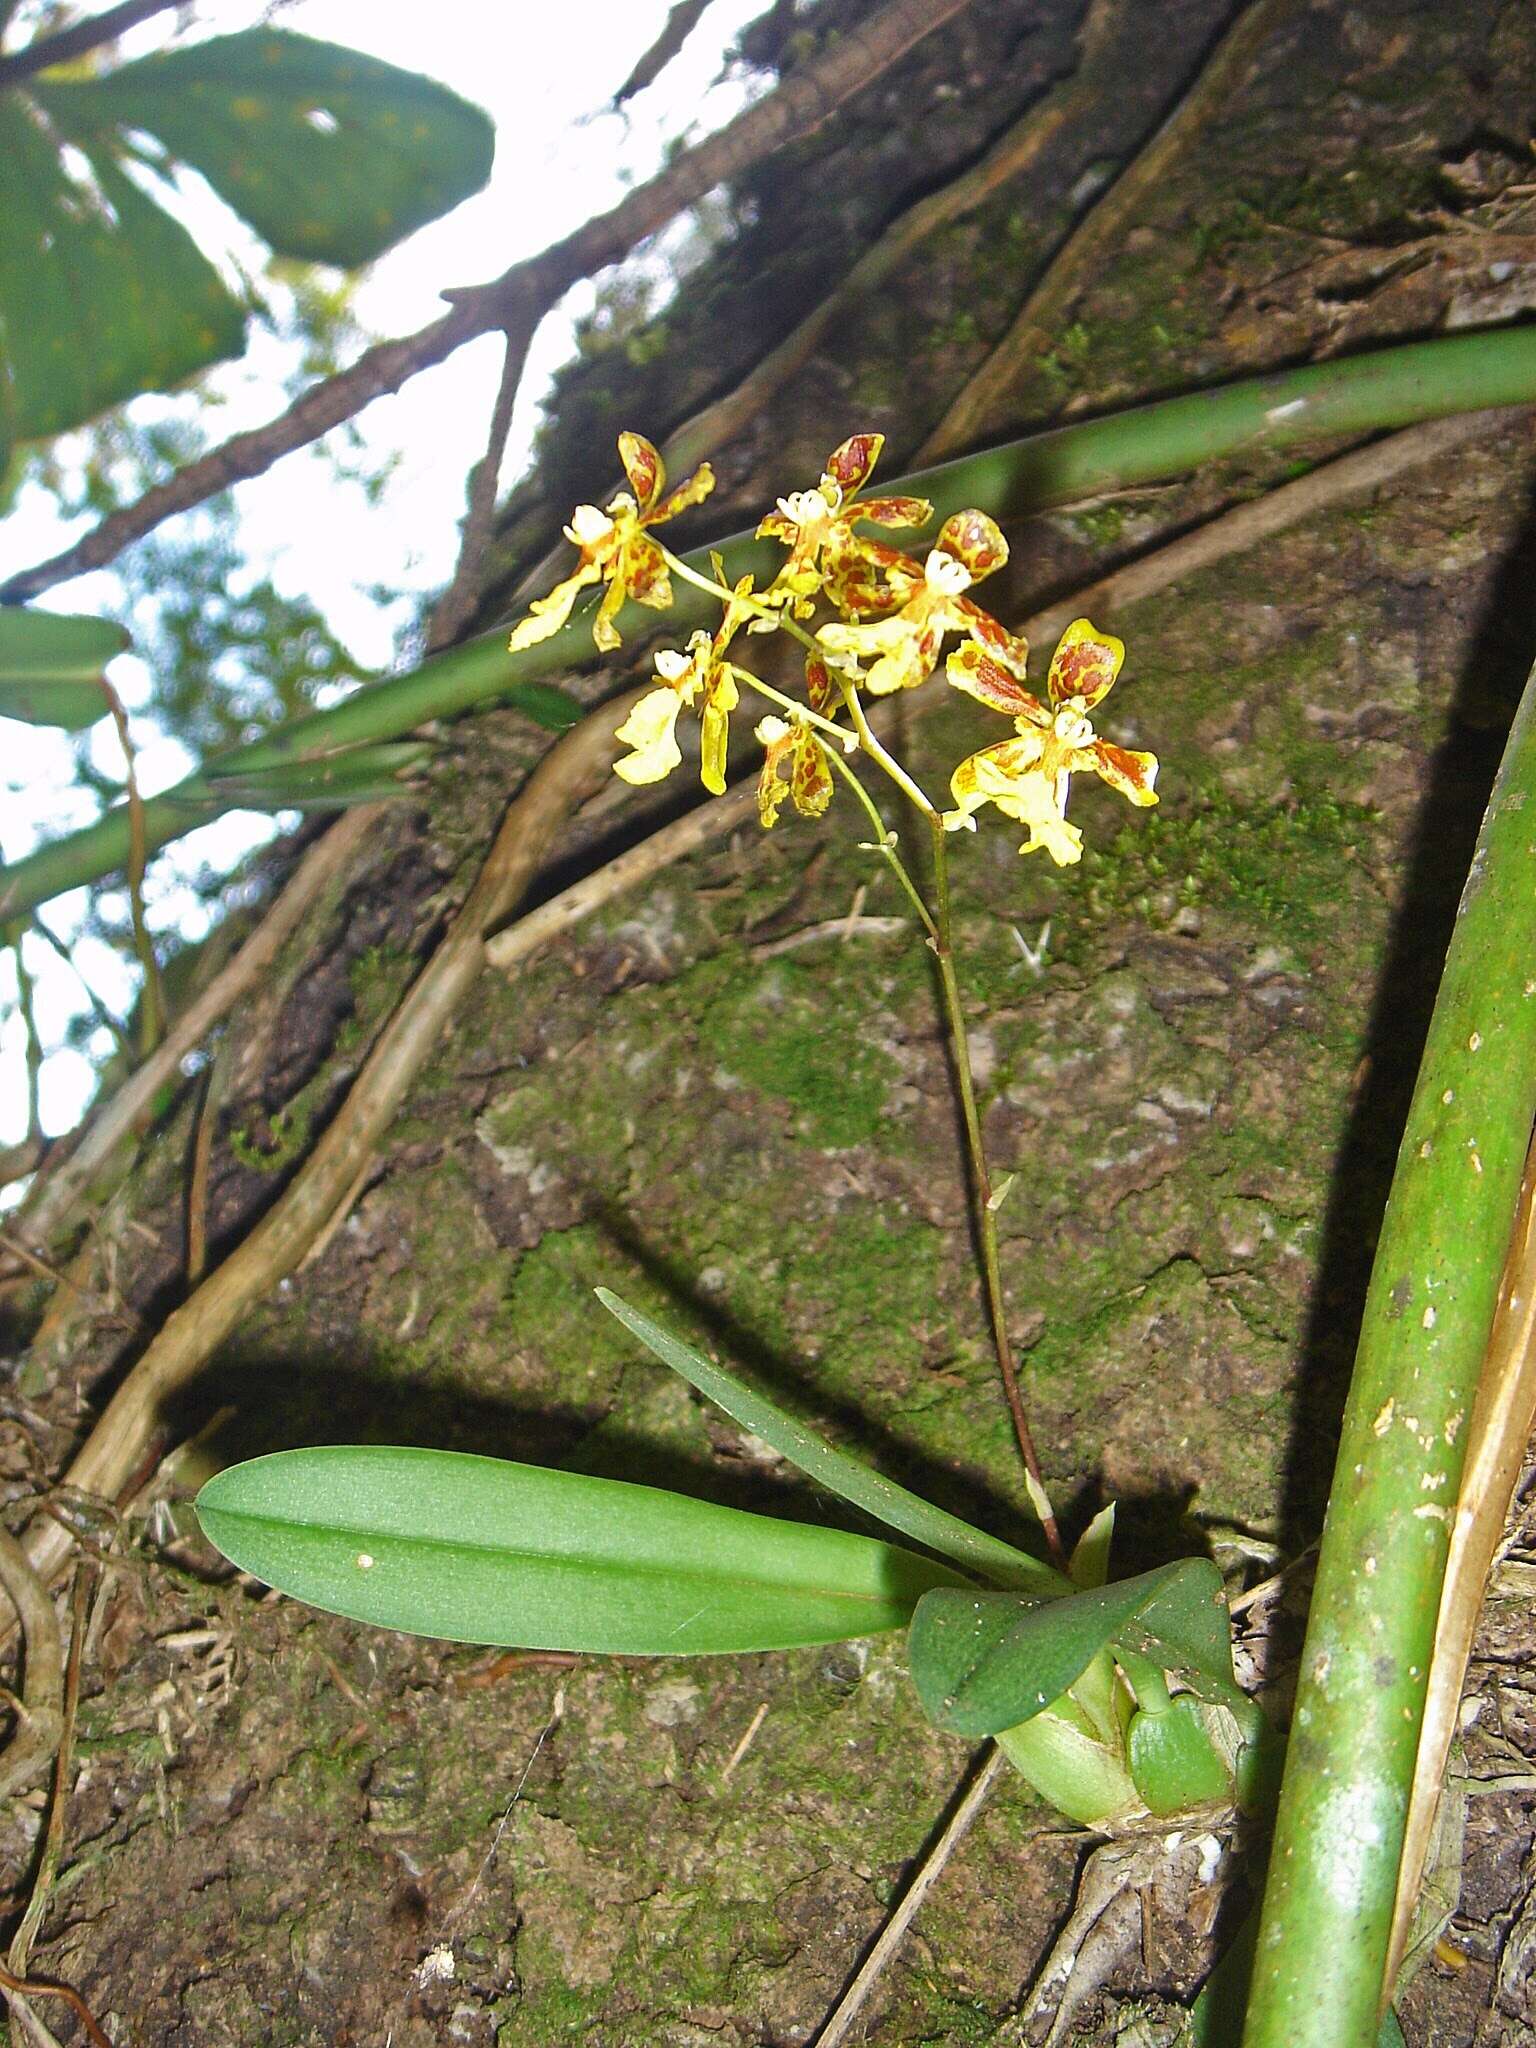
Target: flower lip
[
  {"x": 588, "y": 525},
  {"x": 946, "y": 573},
  {"x": 1073, "y": 724},
  {"x": 806, "y": 507}
]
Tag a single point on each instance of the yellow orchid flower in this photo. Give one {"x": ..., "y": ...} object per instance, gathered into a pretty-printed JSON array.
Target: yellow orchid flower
[
  {"x": 817, "y": 526},
  {"x": 793, "y": 766},
  {"x": 904, "y": 646},
  {"x": 1028, "y": 777},
  {"x": 651, "y": 727},
  {"x": 615, "y": 548}
]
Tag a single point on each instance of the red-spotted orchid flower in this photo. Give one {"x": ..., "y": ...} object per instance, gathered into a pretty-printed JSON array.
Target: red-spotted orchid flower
[
  {"x": 794, "y": 766},
  {"x": 702, "y": 674},
  {"x": 1028, "y": 777},
  {"x": 615, "y": 548},
  {"x": 904, "y": 647},
  {"x": 817, "y": 526}
]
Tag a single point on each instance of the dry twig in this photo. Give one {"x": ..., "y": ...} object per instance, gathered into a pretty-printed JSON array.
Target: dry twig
[
  {"x": 40, "y": 1711},
  {"x": 63, "y": 1184},
  {"x": 979, "y": 405}
]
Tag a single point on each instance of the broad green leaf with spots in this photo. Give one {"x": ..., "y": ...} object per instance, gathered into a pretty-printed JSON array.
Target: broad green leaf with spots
[{"x": 330, "y": 155}]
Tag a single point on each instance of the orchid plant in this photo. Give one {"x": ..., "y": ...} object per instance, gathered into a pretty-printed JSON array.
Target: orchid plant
[{"x": 1114, "y": 1700}]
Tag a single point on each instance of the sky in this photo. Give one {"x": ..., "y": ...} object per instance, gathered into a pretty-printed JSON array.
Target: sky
[{"x": 546, "y": 76}]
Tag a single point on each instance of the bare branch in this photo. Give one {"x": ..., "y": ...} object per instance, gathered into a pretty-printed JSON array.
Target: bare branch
[
  {"x": 521, "y": 295},
  {"x": 91, "y": 34}
]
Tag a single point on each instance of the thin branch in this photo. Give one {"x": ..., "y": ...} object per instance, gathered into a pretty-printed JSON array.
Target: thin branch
[
  {"x": 522, "y": 294},
  {"x": 64, "y": 1184},
  {"x": 91, "y": 34},
  {"x": 894, "y": 1932},
  {"x": 454, "y": 609},
  {"x": 152, "y": 1015},
  {"x": 40, "y": 1717},
  {"x": 982, "y": 401}
]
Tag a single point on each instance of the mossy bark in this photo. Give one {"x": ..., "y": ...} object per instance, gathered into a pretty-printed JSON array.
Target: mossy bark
[{"x": 1198, "y": 1078}]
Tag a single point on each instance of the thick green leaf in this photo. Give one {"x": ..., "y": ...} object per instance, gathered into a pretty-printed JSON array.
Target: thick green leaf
[
  {"x": 359, "y": 775},
  {"x": 1174, "y": 1763},
  {"x": 439, "y": 1543},
  {"x": 330, "y": 155},
  {"x": 101, "y": 294},
  {"x": 986, "y": 1661},
  {"x": 51, "y": 665},
  {"x": 972, "y": 1549}
]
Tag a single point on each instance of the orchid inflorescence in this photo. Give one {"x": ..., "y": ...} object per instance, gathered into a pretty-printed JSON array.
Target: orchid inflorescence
[{"x": 893, "y": 616}]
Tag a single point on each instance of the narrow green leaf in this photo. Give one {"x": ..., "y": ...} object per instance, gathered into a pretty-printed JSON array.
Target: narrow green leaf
[
  {"x": 102, "y": 295},
  {"x": 983, "y": 1661},
  {"x": 361, "y": 775},
  {"x": 330, "y": 155},
  {"x": 1174, "y": 1763},
  {"x": 476, "y": 1550},
  {"x": 972, "y": 1549},
  {"x": 51, "y": 665}
]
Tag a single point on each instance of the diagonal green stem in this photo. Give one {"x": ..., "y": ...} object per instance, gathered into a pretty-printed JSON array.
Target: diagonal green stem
[
  {"x": 984, "y": 1195},
  {"x": 1359, "y": 394}
]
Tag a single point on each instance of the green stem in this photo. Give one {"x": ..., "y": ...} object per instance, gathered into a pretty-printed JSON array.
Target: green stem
[
  {"x": 982, "y": 1193},
  {"x": 1360, "y": 394},
  {"x": 1444, "y": 1238},
  {"x": 884, "y": 842}
]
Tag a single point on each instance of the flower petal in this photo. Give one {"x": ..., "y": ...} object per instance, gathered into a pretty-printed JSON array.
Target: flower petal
[
  {"x": 1011, "y": 649},
  {"x": 693, "y": 492},
  {"x": 644, "y": 468},
  {"x": 650, "y": 730},
  {"x": 774, "y": 526},
  {"x": 810, "y": 779},
  {"x": 546, "y": 615},
  {"x": 643, "y": 570},
  {"x": 893, "y": 511},
  {"x": 1085, "y": 664},
  {"x": 720, "y": 701},
  {"x": 850, "y": 463},
  {"x": 1131, "y": 773},
  {"x": 972, "y": 669},
  {"x": 974, "y": 538}
]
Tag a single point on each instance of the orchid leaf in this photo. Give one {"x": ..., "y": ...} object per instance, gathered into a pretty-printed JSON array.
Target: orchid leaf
[
  {"x": 984, "y": 1661},
  {"x": 359, "y": 775},
  {"x": 972, "y": 1549},
  {"x": 52, "y": 665},
  {"x": 440, "y": 1543}
]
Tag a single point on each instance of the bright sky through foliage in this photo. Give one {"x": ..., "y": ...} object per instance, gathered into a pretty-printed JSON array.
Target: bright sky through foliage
[{"x": 545, "y": 75}]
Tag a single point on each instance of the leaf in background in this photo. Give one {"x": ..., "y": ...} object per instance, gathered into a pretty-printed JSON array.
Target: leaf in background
[
  {"x": 330, "y": 155},
  {"x": 359, "y": 775},
  {"x": 553, "y": 709},
  {"x": 51, "y": 665},
  {"x": 101, "y": 294},
  {"x": 970, "y": 1548},
  {"x": 476, "y": 1550},
  {"x": 987, "y": 1661}
]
